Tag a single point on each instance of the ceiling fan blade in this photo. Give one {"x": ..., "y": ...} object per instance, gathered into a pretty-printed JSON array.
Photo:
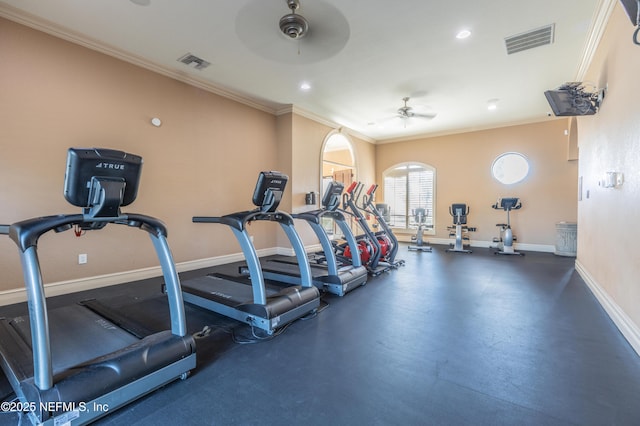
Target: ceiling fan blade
[
  {"x": 430, "y": 115},
  {"x": 387, "y": 119}
]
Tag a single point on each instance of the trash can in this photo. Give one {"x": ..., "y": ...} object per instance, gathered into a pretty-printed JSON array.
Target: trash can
[{"x": 566, "y": 239}]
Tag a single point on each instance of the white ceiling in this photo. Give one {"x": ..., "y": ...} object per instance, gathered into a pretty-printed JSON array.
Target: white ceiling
[{"x": 360, "y": 57}]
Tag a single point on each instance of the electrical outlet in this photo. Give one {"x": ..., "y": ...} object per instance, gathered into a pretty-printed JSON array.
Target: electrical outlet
[{"x": 82, "y": 259}]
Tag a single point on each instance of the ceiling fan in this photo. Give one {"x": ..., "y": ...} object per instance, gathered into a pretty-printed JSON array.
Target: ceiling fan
[
  {"x": 312, "y": 31},
  {"x": 405, "y": 112}
]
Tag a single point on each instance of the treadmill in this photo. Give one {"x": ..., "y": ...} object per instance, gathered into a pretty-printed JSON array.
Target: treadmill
[
  {"x": 257, "y": 302},
  {"x": 331, "y": 277},
  {"x": 72, "y": 365}
]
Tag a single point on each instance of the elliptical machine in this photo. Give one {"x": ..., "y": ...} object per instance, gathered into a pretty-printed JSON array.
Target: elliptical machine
[
  {"x": 506, "y": 239},
  {"x": 386, "y": 237},
  {"x": 459, "y": 230},
  {"x": 420, "y": 217},
  {"x": 369, "y": 245}
]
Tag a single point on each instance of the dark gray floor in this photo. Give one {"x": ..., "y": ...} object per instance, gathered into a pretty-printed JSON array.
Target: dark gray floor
[{"x": 448, "y": 339}]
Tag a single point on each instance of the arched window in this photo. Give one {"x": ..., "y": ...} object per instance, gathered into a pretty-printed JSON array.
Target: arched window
[{"x": 408, "y": 187}]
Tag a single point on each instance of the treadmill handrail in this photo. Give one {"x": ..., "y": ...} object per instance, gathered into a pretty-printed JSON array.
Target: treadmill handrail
[
  {"x": 237, "y": 222},
  {"x": 240, "y": 219},
  {"x": 313, "y": 218},
  {"x": 316, "y": 215},
  {"x": 26, "y": 234}
]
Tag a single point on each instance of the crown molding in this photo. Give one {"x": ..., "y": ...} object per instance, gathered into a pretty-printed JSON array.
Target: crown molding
[
  {"x": 318, "y": 119},
  {"x": 468, "y": 130},
  {"x": 57, "y": 31},
  {"x": 598, "y": 25}
]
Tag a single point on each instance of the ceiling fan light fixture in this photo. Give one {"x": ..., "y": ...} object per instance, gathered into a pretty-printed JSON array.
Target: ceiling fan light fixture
[
  {"x": 292, "y": 25},
  {"x": 405, "y": 111}
]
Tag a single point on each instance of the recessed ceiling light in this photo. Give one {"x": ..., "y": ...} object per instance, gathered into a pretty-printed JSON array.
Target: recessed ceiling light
[
  {"x": 492, "y": 104},
  {"x": 304, "y": 86},
  {"x": 463, "y": 34}
]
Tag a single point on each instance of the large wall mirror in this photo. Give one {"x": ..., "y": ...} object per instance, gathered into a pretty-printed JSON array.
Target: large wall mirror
[
  {"x": 338, "y": 160},
  {"x": 338, "y": 163}
]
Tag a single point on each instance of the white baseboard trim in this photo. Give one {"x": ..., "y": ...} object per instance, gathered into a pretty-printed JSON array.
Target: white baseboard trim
[
  {"x": 9, "y": 297},
  {"x": 18, "y": 295},
  {"x": 627, "y": 327},
  {"x": 545, "y": 248}
]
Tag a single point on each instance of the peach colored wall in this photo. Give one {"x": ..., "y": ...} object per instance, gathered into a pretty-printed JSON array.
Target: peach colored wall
[
  {"x": 203, "y": 160},
  {"x": 365, "y": 154},
  {"x": 609, "y": 141},
  {"x": 308, "y": 137},
  {"x": 463, "y": 174},
  {"x": 284, "y": 127}
]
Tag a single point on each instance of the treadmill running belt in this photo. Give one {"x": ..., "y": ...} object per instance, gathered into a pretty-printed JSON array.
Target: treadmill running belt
[
  {"x": 141, "y": 318},
  {"x": 117, "y": 317},
  {"x": 291, "y": 269},
  {"x": 227, "y": 292},
  {"x": 77, "y": 335}
]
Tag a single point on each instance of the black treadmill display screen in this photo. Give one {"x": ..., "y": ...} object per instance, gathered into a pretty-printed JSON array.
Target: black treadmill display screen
[
  {"x": 83, "y": 164},
  {"x": 269, "y": 190}
]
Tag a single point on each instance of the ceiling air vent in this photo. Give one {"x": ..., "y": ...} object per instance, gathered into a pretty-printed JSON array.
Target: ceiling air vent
[
  {"x": 530, "y": 39},
  {"x": 193, "y": 61}
]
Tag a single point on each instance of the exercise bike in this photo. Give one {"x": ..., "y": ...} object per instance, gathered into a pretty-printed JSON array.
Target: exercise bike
[
  {"x": 459, "y": 230},
  {"x": 420, "y": 217},
  {"x": 506, "y": 239}
]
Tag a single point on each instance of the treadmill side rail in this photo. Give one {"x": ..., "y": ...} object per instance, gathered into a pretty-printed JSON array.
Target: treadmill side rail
[
  {"x": 40, "y": 343},
  {"x": 172, "y": 285},
  {"x": 87, "y": 381},
  {"x": 262, "y": 310}
]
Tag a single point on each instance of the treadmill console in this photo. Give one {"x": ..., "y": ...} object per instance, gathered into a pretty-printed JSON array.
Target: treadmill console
[
  {"x": 101, "y": 180},
  {"x": 331, "y": 198},
  {"x": 269, "y": 190}
]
